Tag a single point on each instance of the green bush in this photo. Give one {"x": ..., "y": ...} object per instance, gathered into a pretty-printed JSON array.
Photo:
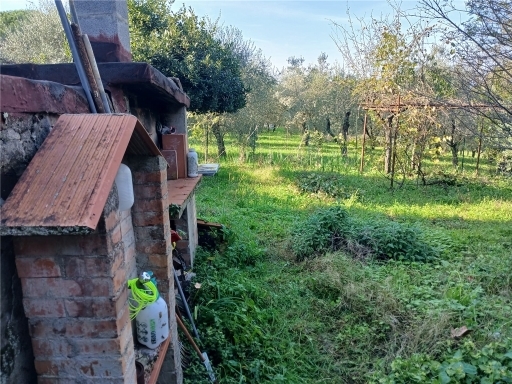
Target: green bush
[
  {"x": 327, "y": 183},
  {"x": 504, "y": 163},
  {"x": 392, "y": 240},
  {"x": 331, "y": 229},
  {"x": 468, "y": 364},
  {"x": 319, "y": 233}
]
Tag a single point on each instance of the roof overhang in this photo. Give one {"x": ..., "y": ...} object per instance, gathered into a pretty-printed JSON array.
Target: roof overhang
[{"x": 66, "y": 185}]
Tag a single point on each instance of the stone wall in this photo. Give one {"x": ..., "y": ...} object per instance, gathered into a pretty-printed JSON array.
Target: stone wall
[{"x": 21, "y": 135}]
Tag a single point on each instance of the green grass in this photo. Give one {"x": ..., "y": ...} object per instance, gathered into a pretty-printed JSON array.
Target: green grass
[{"x": 265, "y": 317}]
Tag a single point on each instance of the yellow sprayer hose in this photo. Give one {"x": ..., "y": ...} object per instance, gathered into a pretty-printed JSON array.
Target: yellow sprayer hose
[{"x": 141, "y": 297}]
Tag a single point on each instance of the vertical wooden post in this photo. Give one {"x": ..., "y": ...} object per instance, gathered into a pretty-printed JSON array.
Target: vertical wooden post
[
  {"x": 393, "y": 159},
  {"x": 463, "y": 153},
  {"x": 479, "y": 147},
  {"x": 206, "y": 149},
  {"x": 362, "y": 147}
]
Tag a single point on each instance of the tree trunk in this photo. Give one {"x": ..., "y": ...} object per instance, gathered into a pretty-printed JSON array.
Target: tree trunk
[
  {"x": 346, "y": 126},
  {"x": 388, "y": 154},
  {"x": 454, "y": 146},
  {"x": 413, "y": 154},
  {"x": 221, "y": 148}
]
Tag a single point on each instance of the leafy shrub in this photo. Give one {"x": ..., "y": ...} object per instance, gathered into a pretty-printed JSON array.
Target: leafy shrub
[
  {"x": 320, "y": 232},
  {"x": 469, "y": 364},
  {"x": 504, "y": 163},
  {"x": 329, "y": 184},
  {"x": 331, "y": 229},
  {"x": 392, "y": 240}
]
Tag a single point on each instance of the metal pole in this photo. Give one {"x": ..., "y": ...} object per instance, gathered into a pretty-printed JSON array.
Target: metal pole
[
  {"x": 187, "y": 309},
  {"x": 76, "y": 57}
]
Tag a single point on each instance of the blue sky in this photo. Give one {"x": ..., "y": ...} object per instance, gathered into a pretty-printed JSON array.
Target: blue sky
[
  {"x": 290, "y": 28},
  {"x": 281, "y": 28}
]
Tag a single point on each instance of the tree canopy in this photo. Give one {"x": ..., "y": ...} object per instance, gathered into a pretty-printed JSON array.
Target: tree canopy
[{"x": 182, "y": 45}]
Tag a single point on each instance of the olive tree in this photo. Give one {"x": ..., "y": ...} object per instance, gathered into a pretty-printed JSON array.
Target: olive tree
[{"x": 33, "y": 36}]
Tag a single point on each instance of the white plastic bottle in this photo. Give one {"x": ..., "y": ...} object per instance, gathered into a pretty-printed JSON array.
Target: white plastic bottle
[
  {"x": 192, "y": 163},
  {"x": 152, "y": 323}
]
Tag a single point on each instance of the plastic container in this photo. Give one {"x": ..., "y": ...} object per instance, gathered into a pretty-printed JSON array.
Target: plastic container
[
  {"x": 192, "y": 163},
  {"x": 152, "y": 324},
  {"x": 124, "y": 186}
]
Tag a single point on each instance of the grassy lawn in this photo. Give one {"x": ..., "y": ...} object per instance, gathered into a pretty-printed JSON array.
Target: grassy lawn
[{"x": 336, "y": 318}]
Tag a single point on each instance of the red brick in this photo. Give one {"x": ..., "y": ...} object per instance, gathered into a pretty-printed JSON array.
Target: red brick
[
  {"x": 112, "y": 220},
  {"x": 123, "y": 319},
  {"x": 150, "y": 191},
  {"x": 162, "y": 274},
  {"x": 45, "y": 367},
  {"x": 158, "y": 260},
  {"x": 129, "y": 253},
  {"x": 158, "y": 177},
  {"x": 48, "y": 347},
  {"x": 119, "y": 280},
  {"x": 118, "y": 260},
  {"x": 99, "y": 307},
  {"x": 122, "y": 301},
  {"x": 82, "y": 368},
  {"x": 150, "y": 247},
  {"x": 72, "y": 327},
  {"x": 90, "y": 346},
  {"x": 87, "y": 266},
  {"x": 60, "y": 380},
  {"x": 114, "y": 238},
  {"x": 75, "y": 266},
  {"x": 153, "y": 232},
  {"x": 126, "y": 338},
  {"x": 143, "y": 219},
  {"x": 126, "y": 225},
  {"x": 96, "y": 287},
  {"x": 102, "y": 367},
  {"x": 37, "y": 267},
  {"x": 50, "y": 287},
  {"x": 90, "y": 307},
  {"x": 150, "y": 205},
  {"x": 50, "y": 246},
  {"x": 43, "y": 307}
]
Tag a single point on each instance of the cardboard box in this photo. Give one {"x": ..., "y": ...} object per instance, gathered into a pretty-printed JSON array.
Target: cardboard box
[
  {"x": 172, "y": 160},
  {"x": 177, "y": 142}
]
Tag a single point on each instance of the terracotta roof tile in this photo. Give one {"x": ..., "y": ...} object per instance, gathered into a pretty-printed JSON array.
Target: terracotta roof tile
[{"x": 66, "y": 185}]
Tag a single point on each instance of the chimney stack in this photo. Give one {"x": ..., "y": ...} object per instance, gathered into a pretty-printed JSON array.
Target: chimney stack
[{"x": 106, "y": 24}]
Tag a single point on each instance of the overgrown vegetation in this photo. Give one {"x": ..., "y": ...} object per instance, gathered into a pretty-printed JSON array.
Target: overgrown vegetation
[
  {"x": 265, "y": 317},
  {"x": 331, "y": 229}
]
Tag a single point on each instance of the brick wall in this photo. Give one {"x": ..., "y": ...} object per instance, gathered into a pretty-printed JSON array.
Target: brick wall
[
  {"x": 75, "y": 299},
  {"x": 153, "y": 244}
]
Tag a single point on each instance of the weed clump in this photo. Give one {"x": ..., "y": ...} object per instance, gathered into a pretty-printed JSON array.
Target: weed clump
[
  {"x": 319, "y": 233},
  {"x": 469, "y": 364},
  {"x": 331, "y": 229},
  {"x": 326, "y": 183}
]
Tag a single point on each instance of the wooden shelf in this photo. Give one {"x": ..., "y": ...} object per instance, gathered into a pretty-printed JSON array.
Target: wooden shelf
[
  {"x": 151, "y": 359},
  {"x": 180, "y": 191},
  {"x": 159, "y": 361}
]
